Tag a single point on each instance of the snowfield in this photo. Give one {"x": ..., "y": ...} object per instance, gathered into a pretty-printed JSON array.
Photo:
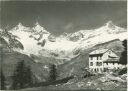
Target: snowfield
[{"x": 31, "y": 37}]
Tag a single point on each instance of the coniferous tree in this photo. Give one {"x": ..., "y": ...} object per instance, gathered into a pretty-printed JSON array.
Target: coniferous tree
[
  {"x": 53, "y": 73},
  {"x": 2, "y": 77},
  {"x": 22, "y": 76},
  {"x": 29, "y": 79},
  {"x": 123, "y": 58}
]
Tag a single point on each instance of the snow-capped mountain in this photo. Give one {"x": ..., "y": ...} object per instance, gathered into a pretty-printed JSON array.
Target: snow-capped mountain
[
  {"x": 20, "y": 27},
  {"x": 38, "y": 41},
  {"x": 107, "y": 28},
  {"x": 39, "y": 29},
  {"x": 106, "y": 33},
  {"x": 31, "y": 38}
]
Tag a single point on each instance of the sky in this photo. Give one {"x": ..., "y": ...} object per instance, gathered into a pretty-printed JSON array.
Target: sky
[{"x": 58, "y": 17}]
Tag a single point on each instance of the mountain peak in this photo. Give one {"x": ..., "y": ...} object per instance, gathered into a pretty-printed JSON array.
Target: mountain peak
[
  {"x": 20, "y": 25},
  {"x": 110, "y": 24},
  {"x": 37, "y": 23},
  {"x": 106, "y": 29},
  {"x": 38, "y": 28}
]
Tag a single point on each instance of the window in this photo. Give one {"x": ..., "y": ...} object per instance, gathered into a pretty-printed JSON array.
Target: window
[
  {"x": 98, "y": 63},
  {"x": 100, "y": 58},
  {"x": 101, "y": 69},
  {"x": 97, "y": 57},
  {"x": 91, "y": 63},
  {"x": 91, "y": 58},
  {"x": 105, "y": 69},
  {"x": 97, "y": 69}
]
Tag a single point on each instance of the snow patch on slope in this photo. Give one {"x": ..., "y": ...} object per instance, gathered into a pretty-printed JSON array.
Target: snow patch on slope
[
  {"x": 30, "y": 45},
  {"x": 29, "y": 38}
]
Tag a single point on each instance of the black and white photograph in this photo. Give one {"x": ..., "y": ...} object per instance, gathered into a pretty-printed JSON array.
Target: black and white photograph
[{"x": 66, "y": 45}]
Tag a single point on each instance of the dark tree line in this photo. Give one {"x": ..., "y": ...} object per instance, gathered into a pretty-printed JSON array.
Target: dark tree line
[
  {"x": 22, "y": 76},
  {"x": 53, "y": 73},
  {"x": 123, "y": 58}
]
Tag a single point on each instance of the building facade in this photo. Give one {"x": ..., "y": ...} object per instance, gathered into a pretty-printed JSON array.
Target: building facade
[{"x": 103, "y": 59}]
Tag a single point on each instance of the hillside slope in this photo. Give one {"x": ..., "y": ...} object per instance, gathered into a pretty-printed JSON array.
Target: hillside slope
[
  {"x": 10, "y": 61},
  {"x": 78, "y": 64}
]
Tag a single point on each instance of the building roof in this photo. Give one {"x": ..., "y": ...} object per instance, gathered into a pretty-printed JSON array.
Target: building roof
[{"x": 99, "y": 51}]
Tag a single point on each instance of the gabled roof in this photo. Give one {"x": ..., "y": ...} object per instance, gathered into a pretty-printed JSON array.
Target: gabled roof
[{"x": 99, "y": 51}]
